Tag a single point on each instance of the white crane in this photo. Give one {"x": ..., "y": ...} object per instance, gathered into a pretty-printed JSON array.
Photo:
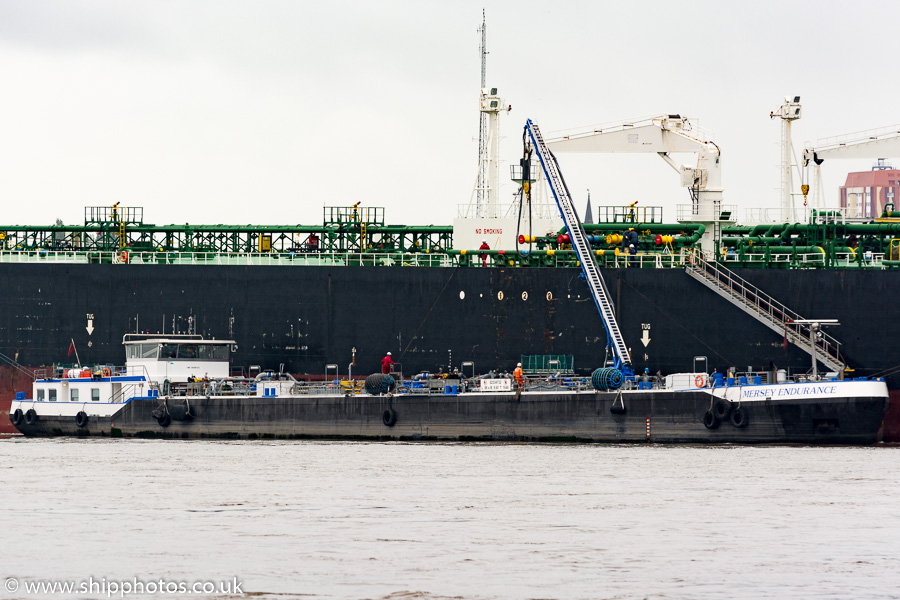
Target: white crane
[
  {"x": 664, "y": 135},
  {"x": 872, "y": 143}
]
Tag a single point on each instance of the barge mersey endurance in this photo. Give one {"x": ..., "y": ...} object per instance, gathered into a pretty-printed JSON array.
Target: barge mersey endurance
[{"x": 143, "y": 399}]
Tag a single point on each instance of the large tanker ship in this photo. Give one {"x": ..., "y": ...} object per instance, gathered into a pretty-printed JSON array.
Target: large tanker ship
[{"x": 329, "y": 299}]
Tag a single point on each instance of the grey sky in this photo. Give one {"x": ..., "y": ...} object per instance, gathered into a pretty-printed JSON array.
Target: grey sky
[{"x": 264, "y": 112}]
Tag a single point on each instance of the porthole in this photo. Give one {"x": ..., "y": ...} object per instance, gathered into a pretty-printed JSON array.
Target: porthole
[
  {"x": 524, "y": 295},
  {"x": 499, "y": 295},
  {"x": 462, "y": 295},
  {"x": 549, "y": 295}
]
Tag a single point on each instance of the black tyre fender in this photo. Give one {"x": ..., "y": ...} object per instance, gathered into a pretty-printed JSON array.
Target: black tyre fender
[
  {"x": 389, "y": 417},
  {"x": 81, "y": 419},
  {"x": 31, "y": 416},
  {"x": 710, "y": 421},
  {"x": 17, "y": 417},
  {"x": 739, "y": 417},
  {"x": 164, "y": 420},
  {"x": 722, "y": 409}
]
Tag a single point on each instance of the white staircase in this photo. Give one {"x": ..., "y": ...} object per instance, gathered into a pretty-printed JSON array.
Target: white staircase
[
  {"x": 579, "y": 243},
  {"x": 765, "y": 309}
]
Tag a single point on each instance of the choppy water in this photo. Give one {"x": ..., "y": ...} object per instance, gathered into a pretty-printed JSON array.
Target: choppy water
[{"x": 393, "y": 520}]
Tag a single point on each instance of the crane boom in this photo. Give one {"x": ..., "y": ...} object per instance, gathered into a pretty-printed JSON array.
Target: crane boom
[
  {"x": 582, "y": 249},
  {"x": 665, "y": 135},
  {"x": 874, "y": 143}
]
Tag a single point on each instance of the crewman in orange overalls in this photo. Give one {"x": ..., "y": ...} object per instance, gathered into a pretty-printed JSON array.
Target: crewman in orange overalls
[{"x": 520, "y": 378}]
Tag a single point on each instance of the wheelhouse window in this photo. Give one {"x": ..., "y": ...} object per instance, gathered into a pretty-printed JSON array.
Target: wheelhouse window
[
  {"x": 40, "y": 395},
  {"x": 51, "y": 395},
  {"x": 95, "y": 394},
  {"x": 194, "y": 351},
  {"x": 73, "y": 394},
  {"x": 189, "y": 351},
  {"x": 142, "y": 350},
  {"x": 219, "y": 352}
]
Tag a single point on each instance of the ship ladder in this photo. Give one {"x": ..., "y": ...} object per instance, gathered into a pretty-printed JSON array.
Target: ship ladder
[
  {"x": 580, "y": 244},
  {"x": 765, "y": 309}
]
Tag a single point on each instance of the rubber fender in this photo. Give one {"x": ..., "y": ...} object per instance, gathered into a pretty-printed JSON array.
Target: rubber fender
[
  {"x": 389, "y": 417},
  {"x": 618, "y": 406},
  {"x": 81, "y": 419},
  {"x": 606, "y": 379},
  {"x": 378, "y": 383},
  {"x": 17, "y": 417},
  {"x": 722, "y": 409},
  {"x": 164, "y": 420},
  {"x": 31, "y": 417},
  {"x": 739, "y": 417},
  {"x": 710, "y": 421}
]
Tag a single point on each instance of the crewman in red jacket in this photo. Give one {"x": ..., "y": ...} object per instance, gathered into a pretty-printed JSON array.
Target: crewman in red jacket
[
  {"x": 484, "y": 246},
  {"x": 387, "y": 363}
]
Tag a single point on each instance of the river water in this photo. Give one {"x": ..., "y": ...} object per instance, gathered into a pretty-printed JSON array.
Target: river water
[{"x": 427, "y": 520}]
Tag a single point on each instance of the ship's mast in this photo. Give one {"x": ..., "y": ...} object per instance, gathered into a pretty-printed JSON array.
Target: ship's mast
[
  {"x": 487, "y": 186},
  {"x": 482, "y": 128},
  {"x": 787, "y": 112}
]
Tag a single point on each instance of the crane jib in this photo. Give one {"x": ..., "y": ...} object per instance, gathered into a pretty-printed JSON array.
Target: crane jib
[{"x": 582, "y": 248}]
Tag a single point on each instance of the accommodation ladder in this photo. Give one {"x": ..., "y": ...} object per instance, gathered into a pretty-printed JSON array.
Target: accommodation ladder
[{"x": 804, "y": 333}]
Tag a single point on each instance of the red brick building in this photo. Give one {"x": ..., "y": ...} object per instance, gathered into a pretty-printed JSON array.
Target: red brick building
[{"x": 866, "y": 192}]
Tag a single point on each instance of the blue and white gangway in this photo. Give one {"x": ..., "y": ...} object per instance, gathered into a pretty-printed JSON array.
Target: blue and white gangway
[{"x": 621, "y": 358}]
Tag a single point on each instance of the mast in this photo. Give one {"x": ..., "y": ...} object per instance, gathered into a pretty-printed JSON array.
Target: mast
[
  {"x": 787, "y": 112},
  {"x": 481, "y": 184}
]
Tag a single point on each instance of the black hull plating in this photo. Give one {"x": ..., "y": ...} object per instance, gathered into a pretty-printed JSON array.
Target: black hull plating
[
  {"x": 307, "y": 317},
  {"x": 656, "y": 417}
]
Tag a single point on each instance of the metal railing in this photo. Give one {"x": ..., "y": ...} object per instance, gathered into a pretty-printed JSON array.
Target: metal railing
[
  {"x": 765, "y": 308},
  {"x": 873, "y": 260},
  {"x": 706, "y": 213},
  {"x": 230, "y": 258}
]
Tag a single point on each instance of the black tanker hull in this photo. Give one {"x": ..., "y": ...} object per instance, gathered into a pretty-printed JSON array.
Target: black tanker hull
[
  {"x": 308, "y": 317},
  {"x": 656, "y": 417}
]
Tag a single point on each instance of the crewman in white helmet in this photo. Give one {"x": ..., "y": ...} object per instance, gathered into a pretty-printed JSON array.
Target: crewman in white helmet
[{"x": 387, "y": 363}]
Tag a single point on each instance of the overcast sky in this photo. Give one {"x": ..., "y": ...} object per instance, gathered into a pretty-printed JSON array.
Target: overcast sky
[{"x": 264, "y": 112}]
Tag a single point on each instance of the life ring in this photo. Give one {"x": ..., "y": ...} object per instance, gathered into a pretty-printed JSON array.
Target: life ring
[
  {"x": 81, "y": 419},
  {"x": 123, "y": 256},
  {"x": 698, "y": 381},
  {"x": 693, "y": 259},
  {"x": 16, "y": 417},
  {"x": 31, "y": 416},
  {"x": 106, "y": 372},
  {"x": 389, "y": 417}
]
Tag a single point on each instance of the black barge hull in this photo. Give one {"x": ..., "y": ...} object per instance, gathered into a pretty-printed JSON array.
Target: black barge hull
[{"x": 655, "y": 417}]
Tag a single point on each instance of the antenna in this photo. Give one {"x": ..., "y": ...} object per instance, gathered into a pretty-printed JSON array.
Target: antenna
[{"x": 481, "y": 185}]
